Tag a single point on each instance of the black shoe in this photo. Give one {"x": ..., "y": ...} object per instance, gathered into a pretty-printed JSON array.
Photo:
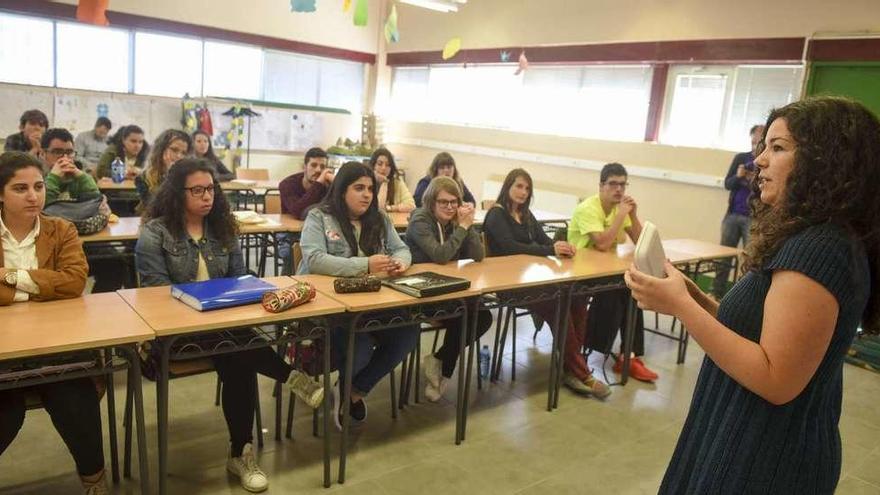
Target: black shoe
[{"x": 358, "y": 411}]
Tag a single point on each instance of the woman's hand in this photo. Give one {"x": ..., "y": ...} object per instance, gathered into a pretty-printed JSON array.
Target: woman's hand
[
  {"x": 564, "y": 249},
  {"x": 664, "y": 295},
  {"x": 379, "y": 263}
]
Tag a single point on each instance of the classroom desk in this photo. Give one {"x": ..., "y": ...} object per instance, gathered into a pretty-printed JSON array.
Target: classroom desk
[
  {"x": 173, "y": 321},
  {"x": 372, "y": 311},
  {"x": 401, "y": 220},
  {"x": 43, "y": 331},
  {"x": 128, "y": 185}
]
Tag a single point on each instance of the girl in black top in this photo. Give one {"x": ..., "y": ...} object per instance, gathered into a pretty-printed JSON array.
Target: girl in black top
[
  {"x": 202, "y": 148},
  {"x": 511, "y": 228},
  {"x": 767, "y": 402},
  {"x": 442, "y": 165}
]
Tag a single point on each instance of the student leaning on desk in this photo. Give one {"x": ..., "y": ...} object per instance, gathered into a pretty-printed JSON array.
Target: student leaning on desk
[
  {"x": 347, "y": 236},
  {"x": 42, "y": 259},
  {"x": 190, "y": 235}
]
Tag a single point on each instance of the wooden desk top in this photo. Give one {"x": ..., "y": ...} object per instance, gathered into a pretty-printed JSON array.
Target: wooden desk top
[
  {"x": 276, "y": 223},
  {"x": 126, "y": 229},
  {"x": 384, "y": 299},
  {"x": 108, "y": 185},
  {"x": 128, "y": 185},
  {"x": 89, "y": 322},
  {"x": 700, "y": 249},
  {"x": 168, "y": 316}
]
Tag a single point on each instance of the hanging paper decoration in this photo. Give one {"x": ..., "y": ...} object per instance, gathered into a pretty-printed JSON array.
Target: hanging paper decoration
[
  {"x": 505, "y": 56},
  {"x": 452, "y": 47},
  {"x": 523, "y": 63},
  {"x": 346, "y": 5},
  {"x": 360, "y": 13},
  {"x": 392, "y": 35},
  {"x": 302, "y": 6},
  {"x": 93, "y": 12},
  {"x": 189, "y": 117}
]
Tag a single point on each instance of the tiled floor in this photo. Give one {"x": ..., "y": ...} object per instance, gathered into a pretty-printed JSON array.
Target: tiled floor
[{"x": 621, "y": 445}]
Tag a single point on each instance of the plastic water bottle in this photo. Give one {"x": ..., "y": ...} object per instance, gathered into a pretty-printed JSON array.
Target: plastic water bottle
[
  {"x": 117, "y": 170},
  {"x": 485, "y": 357}
]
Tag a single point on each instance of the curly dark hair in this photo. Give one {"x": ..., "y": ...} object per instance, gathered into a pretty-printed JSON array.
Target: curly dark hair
[
  {"x": 372, "y": 221},
  {"x": 837, "y": 167},
  {"x": 169, "y": 203},
  {"x": 118, "y": 139},
  {"x": 157, "y": 170}
]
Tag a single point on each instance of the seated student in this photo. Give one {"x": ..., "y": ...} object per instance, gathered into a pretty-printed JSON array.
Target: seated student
[
  {"x": 42, "y": 259},
  {"x": 393, "y": 193},
  {"x": 190, "y": 235},
  {"x": 511, "y": 228},
  {"x": 304, "y": 189},
  {"x": 90, "y": 145},
  {"x": 65, "y": 181},
  {"x": 31, "y": 126},
  {"x": 439, "y": 232},
  {"x": 599, "y": 222},
  {"x": 129, "y": 146},
  {"x": 444, "y": 165},
  {"x": 347, "y": 236},
  {"x": 170, "y": 146},
  {"x": 202, "y": 148}
]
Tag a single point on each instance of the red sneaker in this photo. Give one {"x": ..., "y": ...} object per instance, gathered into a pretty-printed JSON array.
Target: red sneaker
[{"x": 637, "y": 369}]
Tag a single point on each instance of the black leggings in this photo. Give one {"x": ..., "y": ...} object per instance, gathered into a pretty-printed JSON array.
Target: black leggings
[
  {"x": 238, "y": 372},
  {"x": 448, "y": 353},
  {"x": 75, "y": 411}
]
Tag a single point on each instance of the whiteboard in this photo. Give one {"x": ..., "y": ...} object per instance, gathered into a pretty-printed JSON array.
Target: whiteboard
[{"x": 14, "y": 101}]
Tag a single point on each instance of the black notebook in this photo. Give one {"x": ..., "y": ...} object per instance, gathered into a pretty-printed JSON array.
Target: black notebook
[{"x": 426, "y": 284}]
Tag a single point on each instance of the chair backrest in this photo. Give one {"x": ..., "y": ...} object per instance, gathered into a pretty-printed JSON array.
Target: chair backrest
[
  {"x": 252, "y": 173},
  {"x": 273, "y": 203},
  {"x": 297, "y": 251},
  {"x": 485, "y": 240},
  {"x": 487, "y": 203}
]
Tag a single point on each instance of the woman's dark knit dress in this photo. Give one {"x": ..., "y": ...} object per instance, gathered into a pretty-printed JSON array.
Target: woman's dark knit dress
[{"x": 735, "y": 442}]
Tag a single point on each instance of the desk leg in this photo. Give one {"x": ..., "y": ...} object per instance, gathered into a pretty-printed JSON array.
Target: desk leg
[
  {"x": 469, "y": 368},
  {"x": 138, "y": 392},
  {"x": 560, "y": 368},
  {"x": 461, "y": 396},
  {"x": 111, "y": 420},
  {"x": 629, "y": 331},
  {"x": 556, "y": 357},
  {"x": 162, "y": 413},
  {"x": 345, "y": 399},
  {"x": 327, "y": 408}
]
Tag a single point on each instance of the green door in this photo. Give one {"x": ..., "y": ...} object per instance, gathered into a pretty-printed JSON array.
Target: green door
[{"x": 857, "y": 80}]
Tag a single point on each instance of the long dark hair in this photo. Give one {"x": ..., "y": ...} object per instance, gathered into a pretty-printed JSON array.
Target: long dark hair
[
  {"x": 169, "y": 203},
  {"x": 837, "y": 169},
  {"x": 392, "y": 177},
  {"x": 504, "y": 195},
  {"x": 13, "y": 161},
  {"x": 372, "y": 221},
  {"x": 443, "y": 159},
  {"x": 120, "y": 136},
  {"x": 210, "y": 155},
  {"x": 157, "y": 170}
]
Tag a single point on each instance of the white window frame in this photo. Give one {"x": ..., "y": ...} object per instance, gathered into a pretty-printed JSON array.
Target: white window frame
[{"x": 728, "y": 71}]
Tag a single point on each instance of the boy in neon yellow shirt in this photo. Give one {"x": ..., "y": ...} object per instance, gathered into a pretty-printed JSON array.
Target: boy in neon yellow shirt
[{"x": 601, "y": 222}]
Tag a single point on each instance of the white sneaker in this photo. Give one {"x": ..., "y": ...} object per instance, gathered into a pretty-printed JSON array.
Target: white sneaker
[
  {"x": 433, "y": 394},
  {"x": 253, "y": 479},
  {"x": 433, "y": 371}
]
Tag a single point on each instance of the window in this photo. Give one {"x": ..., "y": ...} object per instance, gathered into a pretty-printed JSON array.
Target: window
[
  {"x": 290, "y": 78},
  {"x": 341, "y": 85},
  {"x": 233, "y": 71},
  {"x": 167, "y": 65},
  {"x": 92, "y": 57},
  {"x": 608, "y": 102},
  {"x": 26, "y": 50},
  {"x": 716, "y": 107}
]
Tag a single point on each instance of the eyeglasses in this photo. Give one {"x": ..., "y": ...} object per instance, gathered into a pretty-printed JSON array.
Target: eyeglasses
[
  {"x": 199, "y": 191},
  {"x": 63, "y": 152},
  {"x": 613, "y": 184},
  {"x": 447, "y": 203}
]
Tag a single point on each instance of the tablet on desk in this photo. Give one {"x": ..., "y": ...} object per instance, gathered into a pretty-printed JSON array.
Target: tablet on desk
[{"x": 649, "y": 255}]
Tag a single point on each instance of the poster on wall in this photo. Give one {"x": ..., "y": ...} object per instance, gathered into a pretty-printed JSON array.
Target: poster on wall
[
  {"x": 77, "y": 113},
  {"x": 305, "y": 130}
]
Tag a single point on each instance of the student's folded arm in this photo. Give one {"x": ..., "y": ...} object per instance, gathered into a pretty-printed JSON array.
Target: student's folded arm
[
  {"x": 397, "y": 249},
  {"x": 149, "y": 258},
  {"x": 68, "y": 279},
  {"x": 473, "y": 246},
  {"x": 53, "y": 187},
  {"x": 86, "y": 184},
  {"x": 318, "y": 260}
]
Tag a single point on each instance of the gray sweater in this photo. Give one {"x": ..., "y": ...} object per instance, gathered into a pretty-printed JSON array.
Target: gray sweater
[{"x": 423, "y": 236}]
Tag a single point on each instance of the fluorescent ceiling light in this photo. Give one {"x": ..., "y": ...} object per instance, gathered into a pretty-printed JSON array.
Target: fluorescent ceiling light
[{"x": 438, "y": 5}]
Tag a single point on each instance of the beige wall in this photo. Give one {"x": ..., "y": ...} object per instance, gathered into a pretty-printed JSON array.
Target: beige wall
[
  {"x": 329, "y": 25},
  {"x": 500, "y": 23},
  {"x": 679, "y": 210}
]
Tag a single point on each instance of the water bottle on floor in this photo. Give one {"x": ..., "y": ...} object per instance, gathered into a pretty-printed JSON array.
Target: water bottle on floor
[{"x": 485, "y": 357}]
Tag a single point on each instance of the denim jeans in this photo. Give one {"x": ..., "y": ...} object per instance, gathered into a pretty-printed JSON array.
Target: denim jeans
[
  {"x": 733, "y": 228},
  {"x": 375, "y": 354}
]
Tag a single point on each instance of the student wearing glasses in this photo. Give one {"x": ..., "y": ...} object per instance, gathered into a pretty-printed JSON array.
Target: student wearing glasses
[
  {"x": 65, "y": 180},
  {"x": 170, "y": 146},
  {"x": 601, "y": 222},
  {"x": 442, "y": 230},
  {"x": 190, "y": 235}
]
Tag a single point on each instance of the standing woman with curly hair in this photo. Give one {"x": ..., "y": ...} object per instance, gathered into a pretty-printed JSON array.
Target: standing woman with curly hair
[
  {"x": 765, "y": 412},
  {"x": 170, "y": 146}
]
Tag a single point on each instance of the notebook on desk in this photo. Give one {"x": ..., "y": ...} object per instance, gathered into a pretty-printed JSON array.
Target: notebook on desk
[
  {"x": 427, "y": 284},
  {"x": 221, "y": 292}
]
